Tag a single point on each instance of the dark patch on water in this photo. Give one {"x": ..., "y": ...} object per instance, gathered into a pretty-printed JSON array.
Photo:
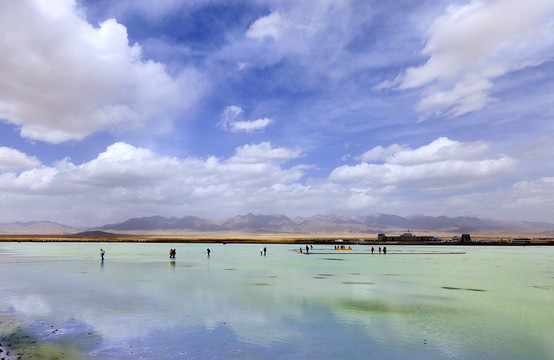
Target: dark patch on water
[
  {"x": 385, "y": 307},
  {"x": 457, "y": 288},
  {"x": 334, "y": 259},
  {"x": 230, "y": 269},
  {"x": 273, "y": 277},
  {"x": 259, "y": 284},
  {"x": 355, "y": 274},
  {"x": 358, "y": 283},
  {"x": 391, "y": 274},
  {"x": 320, "y": 277},
  {"x": 47, "y": 340},
  {"x": 541, "y": 287},
  {"x": 325, "y": 274}
]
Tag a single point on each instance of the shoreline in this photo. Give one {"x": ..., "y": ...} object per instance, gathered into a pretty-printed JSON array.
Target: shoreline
[{"x": 272, "y": 239}]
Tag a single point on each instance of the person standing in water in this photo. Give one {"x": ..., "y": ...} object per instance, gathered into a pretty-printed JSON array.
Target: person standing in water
[
  {"x": 385, "y": 250},
  {"x": 208, "y": 251},
  {"x": 265, "y": 250},
  {"x": 372, "y": 249},
  {"x": 102, "y": 252}
]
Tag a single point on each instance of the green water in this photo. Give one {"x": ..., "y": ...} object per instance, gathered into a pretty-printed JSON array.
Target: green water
[{"x": 412, "y": 303}]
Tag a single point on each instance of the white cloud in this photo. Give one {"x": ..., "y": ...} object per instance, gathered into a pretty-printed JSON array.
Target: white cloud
[
  {"x": 264, "y": 152},
  {"x": 454, "y": 170},
  {"x": 315, "y": 37},
  {"x": 380, "y": 153},
  {"x": 470, "y": 45},
  {"x": 440, "y": 149},
  {"x": 126, "y": 178},
  {"x": 231, "y": 120},
  {"x": 270, "y": 26},
  {"x": 531, "y": 200},
  {"x": 251, "y": 126},
  {"x": 12, "y": 159},
  {"x": 63, "y": 79},
  {"x": 126, "y": 181},
  {"x": 441, "y": 164}
]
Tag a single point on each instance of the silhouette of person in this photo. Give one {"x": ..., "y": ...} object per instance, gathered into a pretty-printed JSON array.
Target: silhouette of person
[
  {"x": 265, "y": 250},
  {"x": 102, "y": 252},
  {"x": 208, "y": 251},
  {"x": 372, "y": 249}
]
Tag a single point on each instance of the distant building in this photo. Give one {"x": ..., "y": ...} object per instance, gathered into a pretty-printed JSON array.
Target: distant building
[
  {"x": 465, "y": 238},
  {"x": 406, "y": 237}
]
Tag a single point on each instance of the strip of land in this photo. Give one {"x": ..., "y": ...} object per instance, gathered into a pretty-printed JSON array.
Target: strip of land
[{"x": 270, "y": 239}]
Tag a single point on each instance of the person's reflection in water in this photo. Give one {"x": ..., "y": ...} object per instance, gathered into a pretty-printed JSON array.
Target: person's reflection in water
[
  {"x": 172, "y": 265},
  {"x": 101, "y": 264}
]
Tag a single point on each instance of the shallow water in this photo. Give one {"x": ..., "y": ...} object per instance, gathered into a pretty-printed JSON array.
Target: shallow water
[{"x": 60, "y": 300}]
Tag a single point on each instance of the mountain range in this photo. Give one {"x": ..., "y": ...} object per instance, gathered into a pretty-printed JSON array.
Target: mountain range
[
  {"x": 281, "y": 224},
  {"x": 328, "y": 223}
]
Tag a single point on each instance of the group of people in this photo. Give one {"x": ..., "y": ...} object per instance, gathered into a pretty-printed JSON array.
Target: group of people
[
  {"x": 384, "y": 250},
  {"x": 263, "y": 251}
]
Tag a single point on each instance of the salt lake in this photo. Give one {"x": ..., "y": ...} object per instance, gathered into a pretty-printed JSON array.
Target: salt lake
[{"x": 415, "y": 302}]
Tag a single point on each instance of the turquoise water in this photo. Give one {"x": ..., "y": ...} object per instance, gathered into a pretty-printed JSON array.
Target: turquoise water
[{"x": 424, "y": 302}]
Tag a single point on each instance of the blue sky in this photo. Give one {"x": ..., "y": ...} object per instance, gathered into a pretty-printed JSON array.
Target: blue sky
[{"x": 111, "y": 110}]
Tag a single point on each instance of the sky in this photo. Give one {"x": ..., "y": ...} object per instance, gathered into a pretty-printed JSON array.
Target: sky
[{"x": 118, "y": 109}]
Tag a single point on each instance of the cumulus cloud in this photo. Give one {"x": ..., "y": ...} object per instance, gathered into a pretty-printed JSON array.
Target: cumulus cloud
[
  {"x": 470, "y": 45},
  {"x": 125, "y": 175},
  {"x": 232, "y": 120},
  {"x": 64, "y": 79},
  {"x": 126, "y": 181},
  {"x": 442, "y": 161},
  {"x": 12, "y": 159}
]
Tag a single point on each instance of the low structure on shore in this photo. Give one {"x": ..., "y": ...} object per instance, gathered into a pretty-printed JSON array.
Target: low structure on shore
[{"x": 406, "y": 237}]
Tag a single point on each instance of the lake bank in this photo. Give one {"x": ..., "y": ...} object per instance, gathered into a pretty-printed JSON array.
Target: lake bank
[{"x": 275, "y": 239}]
